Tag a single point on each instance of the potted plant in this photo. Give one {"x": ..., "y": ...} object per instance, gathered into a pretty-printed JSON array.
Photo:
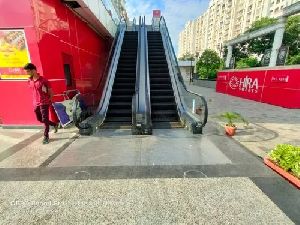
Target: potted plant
[
  {"x": 230, "y": 117},
  {"x": 285, "y": 160}
]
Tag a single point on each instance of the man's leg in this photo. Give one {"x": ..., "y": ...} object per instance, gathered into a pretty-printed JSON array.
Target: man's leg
[
  {"x": 38, "y": 113},
  {"x": 45, "y": 119}
]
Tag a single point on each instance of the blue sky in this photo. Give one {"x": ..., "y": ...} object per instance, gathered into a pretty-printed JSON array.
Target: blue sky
[{"x": 176, "y": 13}]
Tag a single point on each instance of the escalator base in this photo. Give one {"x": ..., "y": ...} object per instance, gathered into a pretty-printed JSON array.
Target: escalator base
[
  {"x": 166, "y": 125},
  {"x": 116, "y": 125}
]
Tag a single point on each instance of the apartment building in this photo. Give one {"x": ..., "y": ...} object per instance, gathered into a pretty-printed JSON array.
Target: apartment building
[{"x": 225, "y": 20}]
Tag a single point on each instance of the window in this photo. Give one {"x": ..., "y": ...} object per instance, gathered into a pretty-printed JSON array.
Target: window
[{"x": 68, "y": 76}]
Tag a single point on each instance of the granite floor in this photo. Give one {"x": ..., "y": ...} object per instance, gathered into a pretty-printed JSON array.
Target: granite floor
[{"x": 138, "y": 201}]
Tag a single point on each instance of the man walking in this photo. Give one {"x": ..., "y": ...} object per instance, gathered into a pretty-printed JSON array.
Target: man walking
[{"x": 42, "y": 96}]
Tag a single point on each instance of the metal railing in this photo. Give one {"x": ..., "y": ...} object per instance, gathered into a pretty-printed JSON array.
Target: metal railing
[
  {"x": 141, "y": 109},
  {"x": 192, "y": 107}
]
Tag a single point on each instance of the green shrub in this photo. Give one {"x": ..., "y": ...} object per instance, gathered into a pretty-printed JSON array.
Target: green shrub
[
  {"x": 287, "y": 157},
  {"x": 208, "y": 64},
  {"x": 247, "y": 63},
  {"x": 293, "y": 60}
]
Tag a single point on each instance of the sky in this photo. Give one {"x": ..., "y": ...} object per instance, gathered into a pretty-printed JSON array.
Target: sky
[{"x": 176, "y": 12}]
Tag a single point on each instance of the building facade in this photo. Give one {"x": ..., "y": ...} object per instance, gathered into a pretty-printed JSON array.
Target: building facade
[
  {"x": 225, "y": 20},
  {"x": 68, "y": 51}
]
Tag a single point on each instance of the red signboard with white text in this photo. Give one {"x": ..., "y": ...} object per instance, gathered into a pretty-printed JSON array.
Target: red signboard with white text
[
  {"x": 246, "y": 84},
  {"x": 277, "y": 87},
  {"x": 156, "y": 13}
]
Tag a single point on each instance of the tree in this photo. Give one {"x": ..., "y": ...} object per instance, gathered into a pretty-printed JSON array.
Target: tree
[
  {"x": 294, "y": 60},
  {"x": 260, "y": 44},
  {"x": 291, "y": 36},
  {"x": 208, "y": 64},
  {"x": 247, "y": 62},
  {"x": 240, "y": 51},
  {"x": 257, "y": 46},
  {"x": 262, "y": 22}
]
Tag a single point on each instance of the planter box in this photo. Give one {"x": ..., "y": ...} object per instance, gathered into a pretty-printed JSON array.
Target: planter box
[{"x": 294, "y": 180}]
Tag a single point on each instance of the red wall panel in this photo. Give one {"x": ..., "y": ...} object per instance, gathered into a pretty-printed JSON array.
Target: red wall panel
[
  {"x": 283, "y": 78},
  {"x": 16, "y": 106},
  {"x": 16, "y": 14},
  {"x": 287, "y": 98},
  {"x": 279, "y": 87},
  {"x": 52, "y": 32},
  {"x": 222, "y": 81}
]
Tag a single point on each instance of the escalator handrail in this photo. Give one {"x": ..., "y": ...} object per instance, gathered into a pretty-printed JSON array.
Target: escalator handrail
[
  {"x": 110, "y": 55},
  {"x": 162, "y": 20},
  {"x": 135, "y": 97},
  {"x": 147, "y": 84},
  {"x": 141, "y": 107},
  {"x": 112, "y": 69}
]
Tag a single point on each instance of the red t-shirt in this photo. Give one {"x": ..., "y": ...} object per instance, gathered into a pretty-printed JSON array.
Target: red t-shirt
[{"x": 39, "y": 89}]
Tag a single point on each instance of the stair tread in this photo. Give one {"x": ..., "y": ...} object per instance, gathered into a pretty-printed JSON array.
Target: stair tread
[
  {"x": 118, "y": 119},
  {"x": 162, "y": 111},
  {"x": 166, "y": 125},
  {"x": 120, "y": 103}
]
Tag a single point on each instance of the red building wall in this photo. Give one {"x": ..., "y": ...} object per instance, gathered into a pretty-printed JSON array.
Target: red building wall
[
  {"x": 275, "y": 86},
  {"x": 55, "y": 36}
]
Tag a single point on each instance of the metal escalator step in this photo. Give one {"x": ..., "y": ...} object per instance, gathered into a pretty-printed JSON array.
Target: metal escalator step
[
  {"x": 116, "y": 91},
  {"x": 125, "y": 74},
  {"x": 121, "y": 98},
  {"x": 160, "y": 86},
  {"x": 157, "y": 62},
  {"x": 163, "y": 106},
  {"x": 164, "y": 112},
  {"x": 165, "y": 119},
  {"x": 126, "y": 70},
  {"x": 157, "y": 57},
  {"x": 158, "y": 70},
  {"x": 159, "y": 98},
  {"x": 120, "y": 104},
  {"x": 160, "y": 80},
  {"x": 158, "y": 75},
  {"x": 125, "y": 65},
  {"x": 124, "y": 85},
  {"x": 116, "y": 125},
  {"x": 120, "y": 80},
  {"x": 166, "y": 125},
  {"x": 162, "y": 92},
  {"x": 119, "y": 119},
  {"x": 162, "y": 74},
  {"x": 158, "y": 67},
  {"x": 119, "y": 113}
]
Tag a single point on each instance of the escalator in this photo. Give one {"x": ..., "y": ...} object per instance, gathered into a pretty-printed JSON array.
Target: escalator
[
  {"x": 119, "y": 113},
  {"x": 163, "y": 106},
  {"x": 144, "y": 87}
]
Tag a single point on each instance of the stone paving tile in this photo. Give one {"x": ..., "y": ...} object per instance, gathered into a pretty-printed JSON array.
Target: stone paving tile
[
  {"x": 11, "y": 137},
  {"x": 143, "y": 201},
  {"x": 275, "y": 124},
  {"x": 35, "y": 153}
]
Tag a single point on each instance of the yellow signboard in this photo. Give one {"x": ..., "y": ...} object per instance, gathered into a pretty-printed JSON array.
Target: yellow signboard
[{"x": 13, "y": 54}]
